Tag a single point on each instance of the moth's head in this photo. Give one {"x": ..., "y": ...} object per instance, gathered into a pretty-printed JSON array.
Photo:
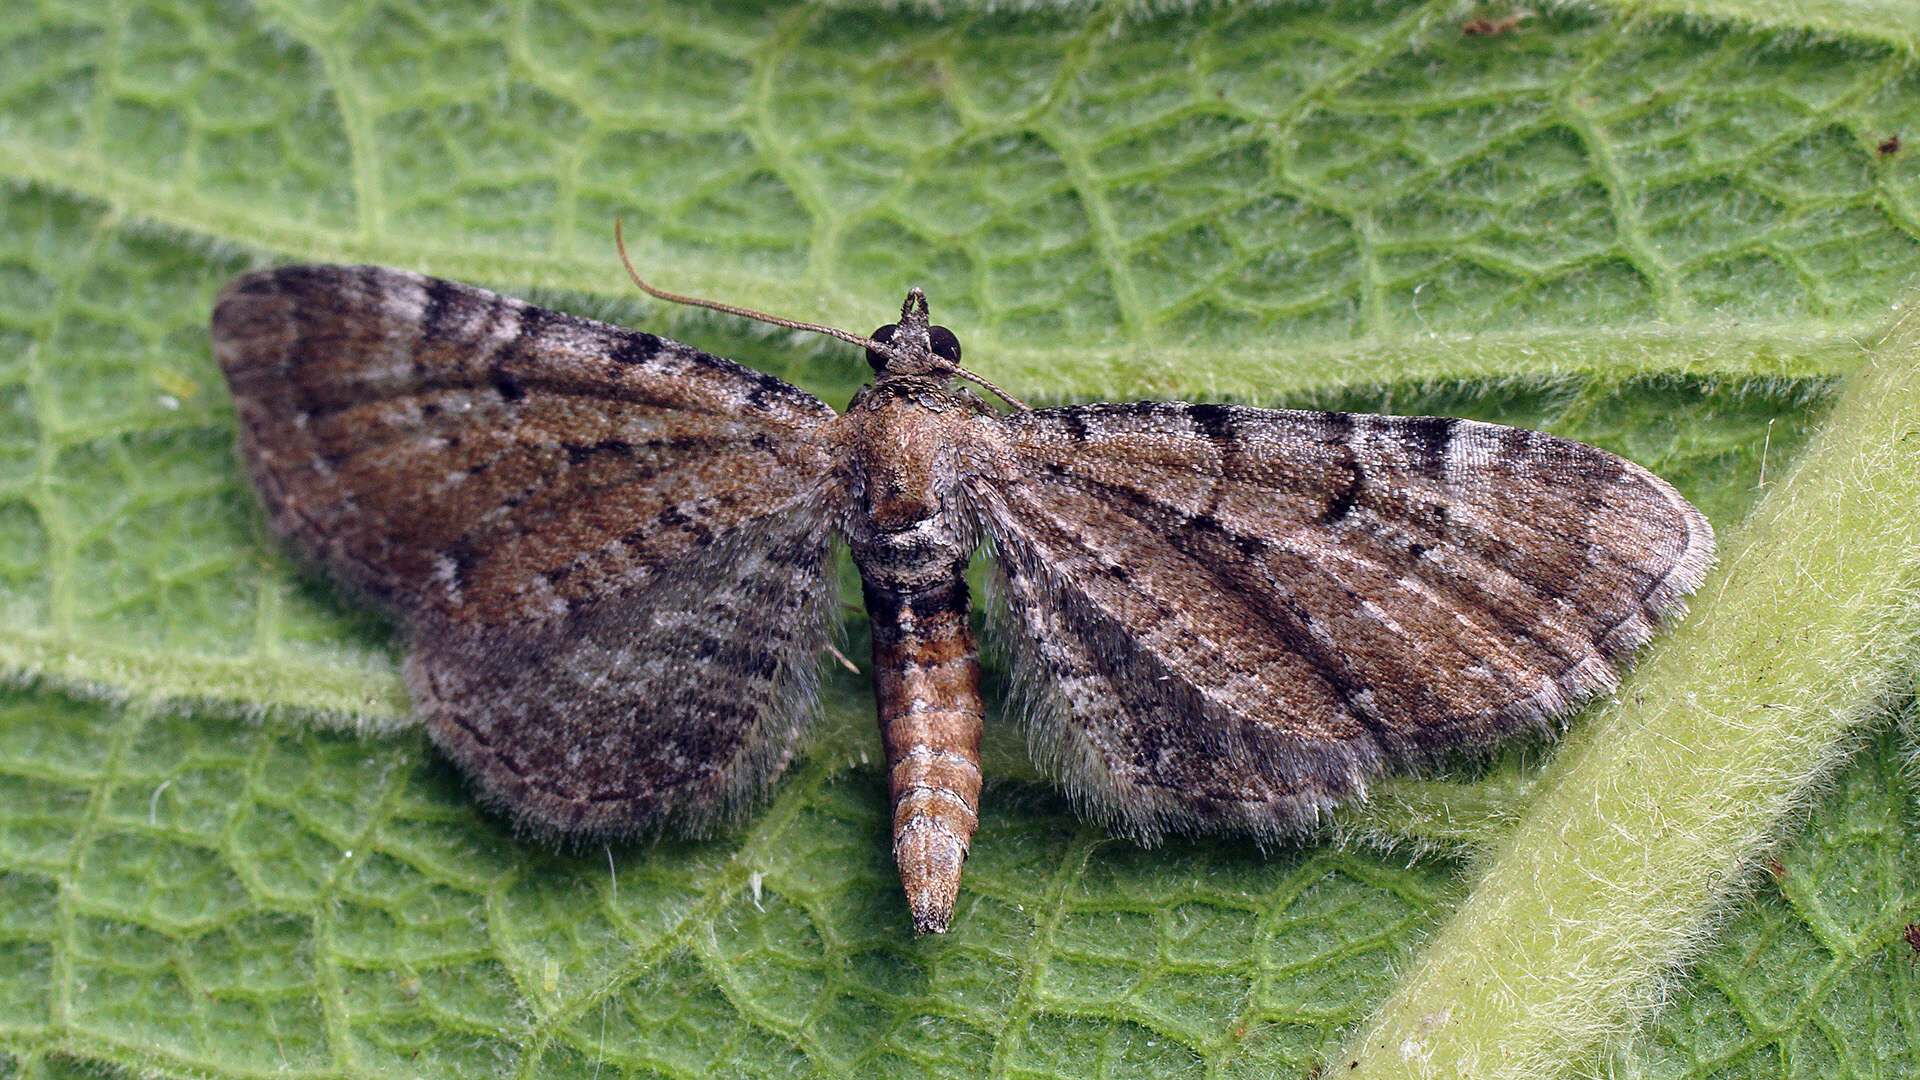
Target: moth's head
[{"x": 916, "y": 346}]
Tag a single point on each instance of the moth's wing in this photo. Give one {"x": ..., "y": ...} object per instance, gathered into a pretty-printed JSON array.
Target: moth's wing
[
  {"x": 674, "y": 702},
  {"x": 472, "y": 458},
  {"x": 609, "y": 548},
  {"x": 1229, "y": 618}
]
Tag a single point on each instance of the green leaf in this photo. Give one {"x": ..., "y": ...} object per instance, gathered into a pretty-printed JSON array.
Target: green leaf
[
  {"x": 1662, "y": 234},
  {"x": 1813, "y": 976}
]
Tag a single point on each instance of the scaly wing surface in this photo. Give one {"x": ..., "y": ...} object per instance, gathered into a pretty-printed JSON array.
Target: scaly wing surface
[
  {"x": 1231, "y": 619},
  {"x": 608, "y": 548}
]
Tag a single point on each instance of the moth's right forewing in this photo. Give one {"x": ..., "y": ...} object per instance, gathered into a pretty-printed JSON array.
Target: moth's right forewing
[
  {"x": 610, "y": 549},
  {"x": 463, "y": 455}
]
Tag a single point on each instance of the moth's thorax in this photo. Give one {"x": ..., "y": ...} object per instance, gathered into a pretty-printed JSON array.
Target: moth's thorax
[{"x": 905, "y": 444}]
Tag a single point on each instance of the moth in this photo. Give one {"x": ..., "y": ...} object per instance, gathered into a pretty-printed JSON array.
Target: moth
[
  {"x": 1485, "y": 27},
  {"x": 610, "y": 553}
]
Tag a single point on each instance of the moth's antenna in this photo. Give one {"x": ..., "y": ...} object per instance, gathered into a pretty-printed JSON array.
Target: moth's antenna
[
  {"x": 1014, "y": 402},
  {"x": 745, "y": 313},
  {"x": 881, "y": 347}
]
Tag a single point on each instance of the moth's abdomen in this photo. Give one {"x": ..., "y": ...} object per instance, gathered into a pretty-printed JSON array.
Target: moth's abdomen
[{"x": 926, "y": 680}]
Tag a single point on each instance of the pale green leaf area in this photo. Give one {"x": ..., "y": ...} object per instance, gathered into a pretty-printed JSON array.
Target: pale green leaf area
[
  {"x": 1666, "y": 230},
  {"x": 1893, "y": 22}
]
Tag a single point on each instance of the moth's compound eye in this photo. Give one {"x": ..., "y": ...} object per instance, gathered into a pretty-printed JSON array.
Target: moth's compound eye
[
  {"x": 883, "y": 335},
  {"x": 945, "y": 345}
]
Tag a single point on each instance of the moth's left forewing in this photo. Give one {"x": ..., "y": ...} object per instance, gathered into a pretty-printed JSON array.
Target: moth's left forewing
[
  {"x": 1228, "y": 618},
  {"x": 1614, "y": 547}
]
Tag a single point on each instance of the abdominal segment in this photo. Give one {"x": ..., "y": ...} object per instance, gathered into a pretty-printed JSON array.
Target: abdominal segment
[{"x": 927, "y": 683}]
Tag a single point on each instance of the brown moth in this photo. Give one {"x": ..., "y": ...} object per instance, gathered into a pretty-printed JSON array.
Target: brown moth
[
  {"x": 1485, "y": 27},
  {"x": 610, "y": 552}
]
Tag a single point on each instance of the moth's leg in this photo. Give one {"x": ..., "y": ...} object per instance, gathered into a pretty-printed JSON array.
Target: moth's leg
[{"x": 926, "y": 679}]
